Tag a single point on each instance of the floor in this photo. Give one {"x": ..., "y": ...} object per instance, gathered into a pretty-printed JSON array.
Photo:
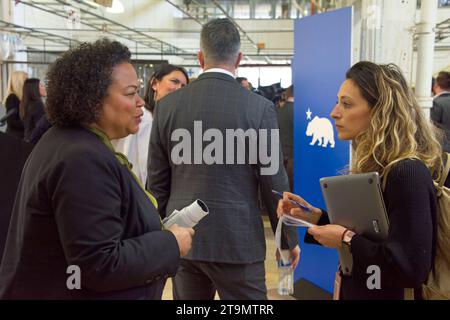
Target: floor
[{"x": 271, "y": 269}]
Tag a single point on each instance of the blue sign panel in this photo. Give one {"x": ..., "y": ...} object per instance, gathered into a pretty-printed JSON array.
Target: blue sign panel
[{"x": 322, "y": 57}]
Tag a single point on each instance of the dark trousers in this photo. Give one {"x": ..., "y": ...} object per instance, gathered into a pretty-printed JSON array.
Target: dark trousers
[{"x": 197, "y": 280}]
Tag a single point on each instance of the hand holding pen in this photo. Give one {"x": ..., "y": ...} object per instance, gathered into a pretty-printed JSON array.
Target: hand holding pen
[
  {"x": 296, "y": 206},
  {"x": 296, "y": 203}
]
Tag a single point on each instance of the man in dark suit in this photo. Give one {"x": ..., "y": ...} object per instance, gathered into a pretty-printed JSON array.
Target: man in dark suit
[
  {"x": 286, "y": 125},
  {"x": 440, "y": 112},
  {"x": 228, "y": 249}
]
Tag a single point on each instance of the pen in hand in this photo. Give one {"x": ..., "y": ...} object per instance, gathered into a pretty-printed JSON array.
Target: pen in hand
[{"x": 305, "y": 208}]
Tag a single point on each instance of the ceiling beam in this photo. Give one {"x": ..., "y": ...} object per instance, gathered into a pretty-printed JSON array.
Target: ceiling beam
[
  {"x": 103, "y": 24},
  {"x": 38, "y": 34},
  {"x": 235, "y": 23}
]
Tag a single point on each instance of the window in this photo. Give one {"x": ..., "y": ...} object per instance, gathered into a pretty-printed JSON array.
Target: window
[{"x": 265, "y": 76}]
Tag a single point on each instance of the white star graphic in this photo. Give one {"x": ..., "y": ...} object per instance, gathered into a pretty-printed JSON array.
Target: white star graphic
[{"x": 308, "y": 114}]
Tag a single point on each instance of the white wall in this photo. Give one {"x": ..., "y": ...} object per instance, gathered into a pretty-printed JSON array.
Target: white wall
[{"x": 381, "y": 34}]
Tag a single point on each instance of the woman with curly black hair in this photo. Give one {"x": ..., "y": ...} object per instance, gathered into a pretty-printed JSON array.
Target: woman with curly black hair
[{"x": 82, "y": 226}]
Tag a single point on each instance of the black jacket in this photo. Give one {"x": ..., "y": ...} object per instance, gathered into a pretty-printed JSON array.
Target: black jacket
[
  {"x": 77, "y": 205},
  {"x": 12, "y": 158},
  {"x": 40, "y": 129},
  {"x": 14, "y": 123},
  {"x": 286, "y": 124},
  {"x": 34, "y": 112}
]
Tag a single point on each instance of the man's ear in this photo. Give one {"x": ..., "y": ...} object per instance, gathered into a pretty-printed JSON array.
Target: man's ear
[
  {"x": 238, "y": 60},
  {"x": 436, "y": 87},
  {"x": 201, "y": 59}
]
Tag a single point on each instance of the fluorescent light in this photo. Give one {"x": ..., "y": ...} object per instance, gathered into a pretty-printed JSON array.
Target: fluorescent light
[{"x": 117, "y": 7}]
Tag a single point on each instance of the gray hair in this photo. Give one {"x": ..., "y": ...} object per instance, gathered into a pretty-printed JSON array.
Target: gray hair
[{"x": 220, "y": 41}]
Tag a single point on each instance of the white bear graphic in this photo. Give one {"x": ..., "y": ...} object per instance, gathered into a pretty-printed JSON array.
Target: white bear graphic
[{"x": 321, "y": 128}]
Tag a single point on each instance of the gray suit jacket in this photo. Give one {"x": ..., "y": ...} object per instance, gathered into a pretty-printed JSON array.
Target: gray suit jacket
[
  {"x": 233, "y": 232},
  {"x": 440, "y": 114}
]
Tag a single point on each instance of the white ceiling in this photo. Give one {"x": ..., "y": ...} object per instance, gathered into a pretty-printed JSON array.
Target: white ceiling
[{"x": 150, "y": 27}]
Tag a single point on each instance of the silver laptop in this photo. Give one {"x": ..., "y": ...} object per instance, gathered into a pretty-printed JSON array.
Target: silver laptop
[{"x": 356, "y": 202}]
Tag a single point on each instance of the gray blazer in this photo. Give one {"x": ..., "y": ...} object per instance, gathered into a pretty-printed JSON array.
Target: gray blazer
[
  {"x": 440, "y": 114},
  {"x": 233, "y": 232}
]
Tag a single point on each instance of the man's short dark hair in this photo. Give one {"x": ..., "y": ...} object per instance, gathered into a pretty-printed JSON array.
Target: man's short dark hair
[
  {"x": 289, "y": 92},
  {"x": 220, "y": 41},
  {"x": 443, "y": 80},
  {"x": 78, "y": 81}
]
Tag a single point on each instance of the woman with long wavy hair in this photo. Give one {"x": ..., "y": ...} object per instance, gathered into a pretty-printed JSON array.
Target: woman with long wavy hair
[{"x": 378, "y": 112}]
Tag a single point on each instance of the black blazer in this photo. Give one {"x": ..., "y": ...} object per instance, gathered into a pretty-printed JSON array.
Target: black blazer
[
  {"x": 12, "y": 158},
  {"x": 14, "y": 123},
  {"x": 233, "y": 232},
  {"x": 77, "y": 205},
  {"x": 34, "y": 112}
]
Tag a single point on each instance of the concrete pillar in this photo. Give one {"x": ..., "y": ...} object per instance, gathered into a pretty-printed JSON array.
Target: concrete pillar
[{"x": 425, "y": 53}]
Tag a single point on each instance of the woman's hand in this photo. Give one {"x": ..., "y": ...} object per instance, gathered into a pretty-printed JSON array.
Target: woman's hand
[
  {"x": 286, "y": 207},
  {"x": 329, "y": 235}
]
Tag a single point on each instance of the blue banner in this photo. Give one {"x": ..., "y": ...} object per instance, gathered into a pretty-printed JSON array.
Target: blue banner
[{"x": 322, "y": 57}]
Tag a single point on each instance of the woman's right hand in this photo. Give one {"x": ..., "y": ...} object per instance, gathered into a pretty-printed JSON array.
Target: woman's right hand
[
  {"x": 184, "y": 238},
  {"x": 286, "y": 207}
]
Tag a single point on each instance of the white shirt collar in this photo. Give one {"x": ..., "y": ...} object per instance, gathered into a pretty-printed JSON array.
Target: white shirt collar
[
  {"x": 440, "y": 94},
  {"x": 220, "y": 70}
]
